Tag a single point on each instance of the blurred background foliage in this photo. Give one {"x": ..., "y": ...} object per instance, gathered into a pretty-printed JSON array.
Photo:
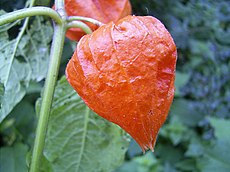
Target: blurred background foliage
[{"x": 196, "y": 136}]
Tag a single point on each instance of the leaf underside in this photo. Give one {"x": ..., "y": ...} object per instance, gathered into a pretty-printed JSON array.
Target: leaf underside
[
  {"x": 20, "y": 63},
  {"x": 78, "y": 139}
]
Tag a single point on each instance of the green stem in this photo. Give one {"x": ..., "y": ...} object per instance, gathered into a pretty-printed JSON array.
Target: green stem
[
  {"x": 32, "y": 2},
  {"x": 95, "y": 22},
  {"x": 28, "y": 12},
  {"x": 81, "y": 25},
  {"x": 60, "y": 8},
  {"x": 60, "y": 5},
  {"x": 55, "y": 57}
]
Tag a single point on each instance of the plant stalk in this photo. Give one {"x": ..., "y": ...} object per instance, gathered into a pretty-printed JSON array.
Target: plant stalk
[
  {"x": 28, "y": 12},
  {"x": 55, "y": 58},
  {"x": 87, "y": 19},
  {"x": 49, "y": 88},
  {"x": 81, "y": 25}
]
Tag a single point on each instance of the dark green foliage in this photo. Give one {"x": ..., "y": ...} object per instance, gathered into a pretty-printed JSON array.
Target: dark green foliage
[
  {"x": 13, "y": 158},
  {"x": 10, "y": 5},
  {"x": 202, "y": 34},
  {"x": 196, "y": 135}
]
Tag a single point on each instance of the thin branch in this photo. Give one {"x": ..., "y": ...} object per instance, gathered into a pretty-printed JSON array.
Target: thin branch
[
  {"x": 28, "y": 12},
  {"x": 81, "y": 25},
  {"x": 87, "y": 19}
]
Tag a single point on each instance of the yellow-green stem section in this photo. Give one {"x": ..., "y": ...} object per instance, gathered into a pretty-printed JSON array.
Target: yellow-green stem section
[
  {"x": 28, "y": 12},
  {"x": 87, "y": 19},
  {"x": 81, "y": 25},
  {"x": 47, "y": 97},
  {"x": 55, "y": 58}
]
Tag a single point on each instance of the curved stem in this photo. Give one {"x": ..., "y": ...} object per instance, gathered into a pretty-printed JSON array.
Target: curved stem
[
  {"x": 28, "y": 12},
  {"x": 81, "y": 25},
  {"x": 87, "y": 19}
]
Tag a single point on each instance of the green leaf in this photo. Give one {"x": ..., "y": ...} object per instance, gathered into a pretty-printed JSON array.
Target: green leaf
[
  {"x": 175, "y": 131},
  {"x": 34, "y": 87},
  {"x": 42, "y": 2},
  {"x": 216, "y": 158},
  {"x": 185, "y": 112},
  {"x": 223, "y": 36},
  {"x": 169, "y": 167},
  {"x": 195, "y": 148},
  {"x": 166, "y": 152},
  {"x": 180, "y": 81},
  {"x": 145, "y": 163},
  {"x": 134, "y": 149},
  {"x": 129, "y": 166},
  {"x": 187, "y": 165},
  {"x": 1, "y": 93},
  {"x": 23, "y": 62},
  {"x": 78, "y": 139},
  {"x": 36, "y": 47},
  {"x": 13, "y": 158},
  {"x": 221, "y": 128},
  {"x": 24, "y": 116},
  {"x": 213, "y": 157},
  {"x": 46, "y": 165}
]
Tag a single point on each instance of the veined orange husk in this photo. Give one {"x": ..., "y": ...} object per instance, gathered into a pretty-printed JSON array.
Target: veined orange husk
[
  {"x": 125, "y": 71},
  {"x": 101, "y": 10}
]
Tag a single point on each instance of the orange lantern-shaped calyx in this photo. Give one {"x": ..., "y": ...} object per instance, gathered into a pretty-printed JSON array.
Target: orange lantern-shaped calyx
[
  {"x": 125, "y": 71},
  {"x": 101, "y": 10}
]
